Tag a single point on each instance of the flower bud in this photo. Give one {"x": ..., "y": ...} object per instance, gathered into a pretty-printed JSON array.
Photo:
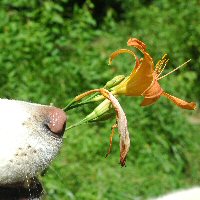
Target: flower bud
[
  {"x": 115, "y": 81},
  {"x": 102, "y": 112}
]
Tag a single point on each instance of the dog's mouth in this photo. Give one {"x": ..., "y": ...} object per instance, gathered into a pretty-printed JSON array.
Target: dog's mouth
[{"x": 19, "y": 191}]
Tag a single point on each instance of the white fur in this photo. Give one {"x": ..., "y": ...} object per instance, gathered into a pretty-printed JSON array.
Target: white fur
[
  {"x": 26, "y": 146},
  {"x": 187, "y": 194}
]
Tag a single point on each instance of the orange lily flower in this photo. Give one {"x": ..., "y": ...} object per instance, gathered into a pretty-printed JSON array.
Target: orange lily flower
[{"x": 143, "y": 81}]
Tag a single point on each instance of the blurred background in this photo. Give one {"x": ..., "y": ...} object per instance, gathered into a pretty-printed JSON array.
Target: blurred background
[{"x": 54, "y": 50}]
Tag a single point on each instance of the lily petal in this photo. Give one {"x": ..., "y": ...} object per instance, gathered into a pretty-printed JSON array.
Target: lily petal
[
  {"x": 179, "y": 102},
  {"x": 147, "y": 61},
  {"x": 141, "y": 76},
  {"x": 136, "y": 43},
  {"x": 120, "y": 51},
  {"x": 153, "y": 91},
  {"x": 122, "y": 126},
  {"x": 144, "y": 76},
  {"x": 149, "y": 101}
]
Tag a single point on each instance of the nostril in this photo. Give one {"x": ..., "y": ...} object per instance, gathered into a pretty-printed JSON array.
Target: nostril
[{"x": 56, "y": 121}]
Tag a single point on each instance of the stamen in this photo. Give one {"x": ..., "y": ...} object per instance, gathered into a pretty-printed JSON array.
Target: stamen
[
  {"x": 175, "y": 69},
  {"x": 161, "y": 65},
  {"x": 161, "y": 71}
]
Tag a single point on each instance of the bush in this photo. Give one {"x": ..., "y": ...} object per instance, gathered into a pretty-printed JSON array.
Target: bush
[{"x": 54, "y": 50}]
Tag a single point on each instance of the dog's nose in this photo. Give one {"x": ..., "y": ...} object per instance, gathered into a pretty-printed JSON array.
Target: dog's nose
[{"x": 56, "y": 121}]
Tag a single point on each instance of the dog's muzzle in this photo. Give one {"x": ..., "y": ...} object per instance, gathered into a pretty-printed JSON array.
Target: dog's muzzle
[{"x": 30, "y": 137}]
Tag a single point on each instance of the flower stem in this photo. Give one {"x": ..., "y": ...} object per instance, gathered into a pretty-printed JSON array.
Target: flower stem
[
  {"x": 76, "y": 124},
  {"x": 72, "y": 104}
]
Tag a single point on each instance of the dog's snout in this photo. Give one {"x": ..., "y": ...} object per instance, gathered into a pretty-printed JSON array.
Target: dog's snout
[{"x": 56, "y": 121}]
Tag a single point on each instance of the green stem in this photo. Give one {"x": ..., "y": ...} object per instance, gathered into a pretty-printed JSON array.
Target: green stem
[
  {"x": 75, "y": 106},
  {"x": 68, "y": 105},
  {"x": 76, "y": 124},
  {"x": 86, "y": 101}
]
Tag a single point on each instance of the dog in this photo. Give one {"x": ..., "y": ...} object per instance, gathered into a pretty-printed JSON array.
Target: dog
[
  {"x": 186, "y": 194},
  {"x": 31, "y": 137}
]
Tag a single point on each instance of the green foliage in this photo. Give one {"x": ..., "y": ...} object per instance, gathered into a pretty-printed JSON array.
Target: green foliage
[{"x": 54, "y": 50}]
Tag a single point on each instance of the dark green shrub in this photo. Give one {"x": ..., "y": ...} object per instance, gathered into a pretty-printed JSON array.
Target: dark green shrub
[{"x": 54, "y": 50}]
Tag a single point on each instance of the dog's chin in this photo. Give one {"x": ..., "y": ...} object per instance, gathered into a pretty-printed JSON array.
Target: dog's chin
[
  {"x": 19, "y": 191},
  {"x": 31, "y": 136}
]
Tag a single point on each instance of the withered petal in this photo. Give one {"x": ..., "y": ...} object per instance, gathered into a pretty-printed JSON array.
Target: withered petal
[{"x": 122, "y": 126}]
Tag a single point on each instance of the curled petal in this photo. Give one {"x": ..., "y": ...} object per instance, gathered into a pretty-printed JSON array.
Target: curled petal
[
  {"x": 144, "y": 76},
  {"x": 120, "y": 51},
  {"x": 179, "y": 102},
  {"x": 147, "y": 61},
  {"x": 122, "y": 126},
  {"x": 137, "y": 43}
]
